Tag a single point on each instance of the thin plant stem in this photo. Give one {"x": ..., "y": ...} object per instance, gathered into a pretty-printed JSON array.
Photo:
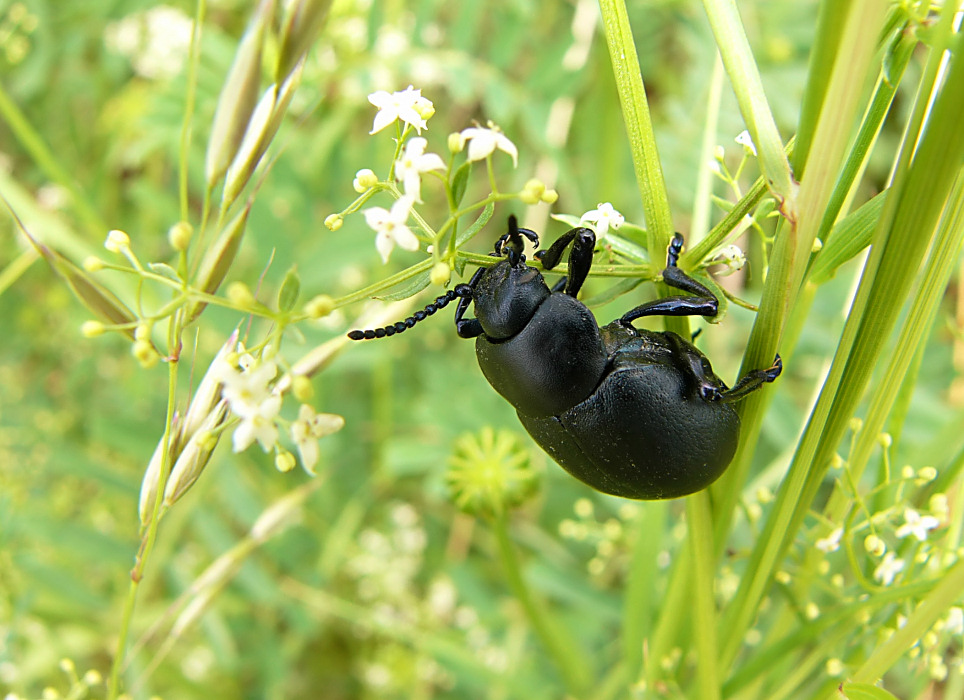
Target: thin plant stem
[{"x": 566, "y": 655}]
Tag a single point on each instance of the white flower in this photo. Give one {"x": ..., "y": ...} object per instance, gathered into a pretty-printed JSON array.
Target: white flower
[
  {"x": 917, "y": 525},
  {"x": 830, "y": 543},
  {"x": 391, "y": 227},
  {"x": 308, "y": 428},
  {"x": 888, "y": 569},
  {"x": 602, "y": 218},
  {"x": 733, "y": 258},
  {"x": 407, "y": 105},
  {"x": 156, "y": 41},
  {"x": 413, "y": 163},
  {"x": 250, "y": 398},
  {"x": 955, "y": 621},
  {"x": 484, "y": 140},
  {"x": 744, "y": 140}
]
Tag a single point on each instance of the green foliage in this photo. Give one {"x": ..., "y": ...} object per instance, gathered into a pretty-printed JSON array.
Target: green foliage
[{"x": 428, "y": 549}]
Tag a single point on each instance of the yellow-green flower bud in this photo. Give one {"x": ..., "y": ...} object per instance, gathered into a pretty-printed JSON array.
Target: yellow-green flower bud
[
  {"x": 320, "y": 306},
  {"x": 240, "y": 295},
  {"x": 285, "y": 461},
  {"x": 92, "y": 329},
  {"x": 143, "y": 331},
  {"x": 550, "y": 196},
  {"x": 117, "y": 241},
  {"x": 334, "y": 222},
  {"x": 179, "y": 235},
  {"x": 456, "y": 142},
  {"x": 302, "y": 388},
  {"x": 92, "y": 263},
  {"x": 441, "y": 273},
  {"x": 364, "y": 180},
  {"x": 144, "y": 352}
]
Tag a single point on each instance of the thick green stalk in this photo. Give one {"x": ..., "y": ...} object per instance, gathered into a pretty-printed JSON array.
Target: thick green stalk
[
  {"x": 911, "y": 213},
  {"x": 639, "y": 126},
  {"x": 702, "y": 613}
]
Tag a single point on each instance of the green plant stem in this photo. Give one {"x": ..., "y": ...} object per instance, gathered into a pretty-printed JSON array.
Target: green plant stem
[
  {"x": 699, "y": 519},
  {"x": 150, "y": 537},
  {"x": 745, "y": 78},
  {"x": 638, "y": 600},
  {"x": 639, "y": 126},
  {"x": 568, "y": 658}
]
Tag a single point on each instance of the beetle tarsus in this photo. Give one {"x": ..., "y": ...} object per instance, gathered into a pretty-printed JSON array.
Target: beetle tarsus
[{"x": 753, "y": 380}]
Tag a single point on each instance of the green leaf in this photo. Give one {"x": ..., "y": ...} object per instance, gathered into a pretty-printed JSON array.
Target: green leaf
[
  {"x": 413, "y": 287},
  {"x": 164, "y": 270},
  {"x": 864, "y": 691},
  {"x": 290, "y": 290},
  {"x": 476, "y": 226},
  {"x": 460, "y": 181}
]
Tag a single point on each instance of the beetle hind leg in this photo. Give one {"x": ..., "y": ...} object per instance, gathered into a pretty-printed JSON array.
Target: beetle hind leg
[{"x": 753, "y": 380}]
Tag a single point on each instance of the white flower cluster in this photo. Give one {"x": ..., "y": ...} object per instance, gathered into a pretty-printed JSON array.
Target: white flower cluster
[
  {"x": 412, "y": 111},
  {"x": 247, "y": 388}
]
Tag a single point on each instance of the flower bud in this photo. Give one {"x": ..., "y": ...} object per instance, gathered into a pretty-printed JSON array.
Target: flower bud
[
  {"x": 441, "y": 273},
  {"x": 179, "y": 235},
  {"x": 550, "y": 196},
  {"x": 364, "y": 180},
  {"x": 91, "y": 329},
  {"x": 456, "y": 142},
  {"x": 240, "y": 295},
  {"x": 284, "y": 461},
  {"x": 302, "y": 388},
  {"x": 144, "y": 352},
  {"x": 117, "y": 241},
  {"x": 92, "y": 263},
  {"x": 320, "y": 306},
  {"x": 334, "y": 221}
]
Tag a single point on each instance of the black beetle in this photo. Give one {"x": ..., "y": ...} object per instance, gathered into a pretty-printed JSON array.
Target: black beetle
[{"x": 631, "y": 412}]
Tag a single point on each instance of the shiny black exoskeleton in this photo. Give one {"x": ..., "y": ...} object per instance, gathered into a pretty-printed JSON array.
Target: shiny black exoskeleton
[{"x": 631, "y": 412}]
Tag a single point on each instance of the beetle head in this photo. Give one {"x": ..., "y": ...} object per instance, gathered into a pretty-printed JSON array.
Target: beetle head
[{"x": 506, "y": 297}]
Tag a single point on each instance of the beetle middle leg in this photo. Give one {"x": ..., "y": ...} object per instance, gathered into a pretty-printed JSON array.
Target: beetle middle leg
[
  {"x": 753, "y": 380},
  {"x": 702, "y": 303}
]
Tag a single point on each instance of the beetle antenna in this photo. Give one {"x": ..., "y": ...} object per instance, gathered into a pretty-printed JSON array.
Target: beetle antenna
[{"x": 460, "y": 291}]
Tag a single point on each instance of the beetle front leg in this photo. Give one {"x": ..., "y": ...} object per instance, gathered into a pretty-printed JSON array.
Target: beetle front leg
[
  {"x": 468, "y": 327},
  {"x": 752, "y": 381},
  {"x": 580, "y": 257}
]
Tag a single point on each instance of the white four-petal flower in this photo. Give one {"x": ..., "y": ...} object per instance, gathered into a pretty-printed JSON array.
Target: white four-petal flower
[
  {"x": 917, "y": 525},
  {"x": 888, "y": 568},
  {"x": 603, "y": 218},
  {"x": 407, "y": 105},
  {"x": 484, "y": 140},
  {"x": 392, "y": 227},
  {"x": 830, "y": 543},
  {"x": 308, "y": 428},
  {"x": 413, "y": 163},
  {"x": 250, "y": 399}
]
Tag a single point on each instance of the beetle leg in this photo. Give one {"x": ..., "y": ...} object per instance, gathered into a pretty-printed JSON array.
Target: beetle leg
[
  {"x": 753, "y": 380},
  {"x": 702, "y": 303},
  {"x": 468, "y": 327},
  {"x": 580, "y": 257},
  {"x": 511, "y": 243}
]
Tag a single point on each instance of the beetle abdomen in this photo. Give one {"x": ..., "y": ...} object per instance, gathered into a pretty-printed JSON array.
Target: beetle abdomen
[{"x": 641, "y": 435}]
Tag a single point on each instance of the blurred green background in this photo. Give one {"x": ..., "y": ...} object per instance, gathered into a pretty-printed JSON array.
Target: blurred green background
[{"x": 382, "y": 589}]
